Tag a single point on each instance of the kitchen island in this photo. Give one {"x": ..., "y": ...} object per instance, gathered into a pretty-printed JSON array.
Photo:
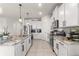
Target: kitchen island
[{"x": 16, "y": 47}]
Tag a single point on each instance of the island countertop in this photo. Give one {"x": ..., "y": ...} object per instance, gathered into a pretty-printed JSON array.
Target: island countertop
[{"x": 13, "y": 41}]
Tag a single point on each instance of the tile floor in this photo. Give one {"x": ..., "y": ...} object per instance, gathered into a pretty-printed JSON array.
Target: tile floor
[{"x": 40, "y": 48}]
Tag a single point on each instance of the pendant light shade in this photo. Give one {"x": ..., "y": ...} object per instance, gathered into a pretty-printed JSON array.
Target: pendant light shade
[{"x": 20, "y": 18}]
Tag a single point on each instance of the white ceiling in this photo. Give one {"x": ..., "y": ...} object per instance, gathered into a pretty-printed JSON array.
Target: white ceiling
[{"x": 11, "y": 10}]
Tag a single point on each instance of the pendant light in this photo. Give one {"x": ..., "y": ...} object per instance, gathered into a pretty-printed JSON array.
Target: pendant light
[{"x": 20, "y": 18}]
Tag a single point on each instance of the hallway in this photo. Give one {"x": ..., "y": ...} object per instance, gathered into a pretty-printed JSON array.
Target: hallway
[{"x": 40, "y": 48}]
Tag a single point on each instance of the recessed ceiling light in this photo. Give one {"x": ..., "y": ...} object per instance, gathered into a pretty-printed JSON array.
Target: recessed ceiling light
[
  {"x": 40, "y": 4},
  {"x": 1, "y": 11},
  {"x": 40, "y": 13}
]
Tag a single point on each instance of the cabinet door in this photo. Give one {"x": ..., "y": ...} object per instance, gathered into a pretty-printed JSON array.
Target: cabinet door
[
  {"x": 61, "y": 15},
  {"x": 73, "y": 50},
  {"x": 18, "y": 49},
  {"x": 62, "y": 49},
  {"x": 71, "y": 14},
  {"x": 55, "y": 13}
]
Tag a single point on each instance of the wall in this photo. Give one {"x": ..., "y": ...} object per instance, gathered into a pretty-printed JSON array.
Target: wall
[
  {"x": 14, "y": 26},
  {"x": 3, "y": 24},
  {"x": 35, "y": 24}
]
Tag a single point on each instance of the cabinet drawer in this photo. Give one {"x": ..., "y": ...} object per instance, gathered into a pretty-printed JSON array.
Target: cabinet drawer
[{"x": 62, "y": 44}]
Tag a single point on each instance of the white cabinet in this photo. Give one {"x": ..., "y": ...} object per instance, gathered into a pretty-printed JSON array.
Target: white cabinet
[
  {"x": 55, "y": 13},
  {"x": 73, "y": 50},
  {"x": 68, "y": 49},
  {"x": 25, "y": 46},
  {"x": 14, "y": 50},
  {"x": 28, "y": 43},
  {"x": 68, "y": 14},
  {"x": 7, "y": 51},
  {"x": 62, "y": 49},
  {"x": 61, "y": 15},
  {"x": 18, "y": 49},
  {"x": 56, "y": 48},
  {"x": 71, "y": 14}
]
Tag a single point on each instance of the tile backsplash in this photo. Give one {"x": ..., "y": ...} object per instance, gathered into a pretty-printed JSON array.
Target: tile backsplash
[{"x": 68, "y": 29}]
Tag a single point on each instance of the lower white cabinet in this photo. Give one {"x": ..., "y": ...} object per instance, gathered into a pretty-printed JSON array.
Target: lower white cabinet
[
  {"x": 66, "y": 49},
  {"x": 56, "y": 47},
  {"x": 25, "y": 46},
  {"x": 7, "y": 51},
  {"x": 73, "y": 50},
  {"x": 18, "y": 49},
  {"x": 15, "y": 50},
  {"x": 62, "y": 49},
  {"x": 28, "y": 43}
]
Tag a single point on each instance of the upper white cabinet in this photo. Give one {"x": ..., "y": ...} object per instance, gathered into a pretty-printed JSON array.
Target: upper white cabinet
[
  {"x": 55, "y": 13},
  {"x": 68, "y": 14},
  {"x": 61, "y": 17},
  {"x": 71, "y": 14}
]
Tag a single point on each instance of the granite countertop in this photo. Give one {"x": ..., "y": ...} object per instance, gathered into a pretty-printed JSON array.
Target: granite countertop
[
  {"x": 65, "y": 40},
  {"x": 13, "y": 40}
]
